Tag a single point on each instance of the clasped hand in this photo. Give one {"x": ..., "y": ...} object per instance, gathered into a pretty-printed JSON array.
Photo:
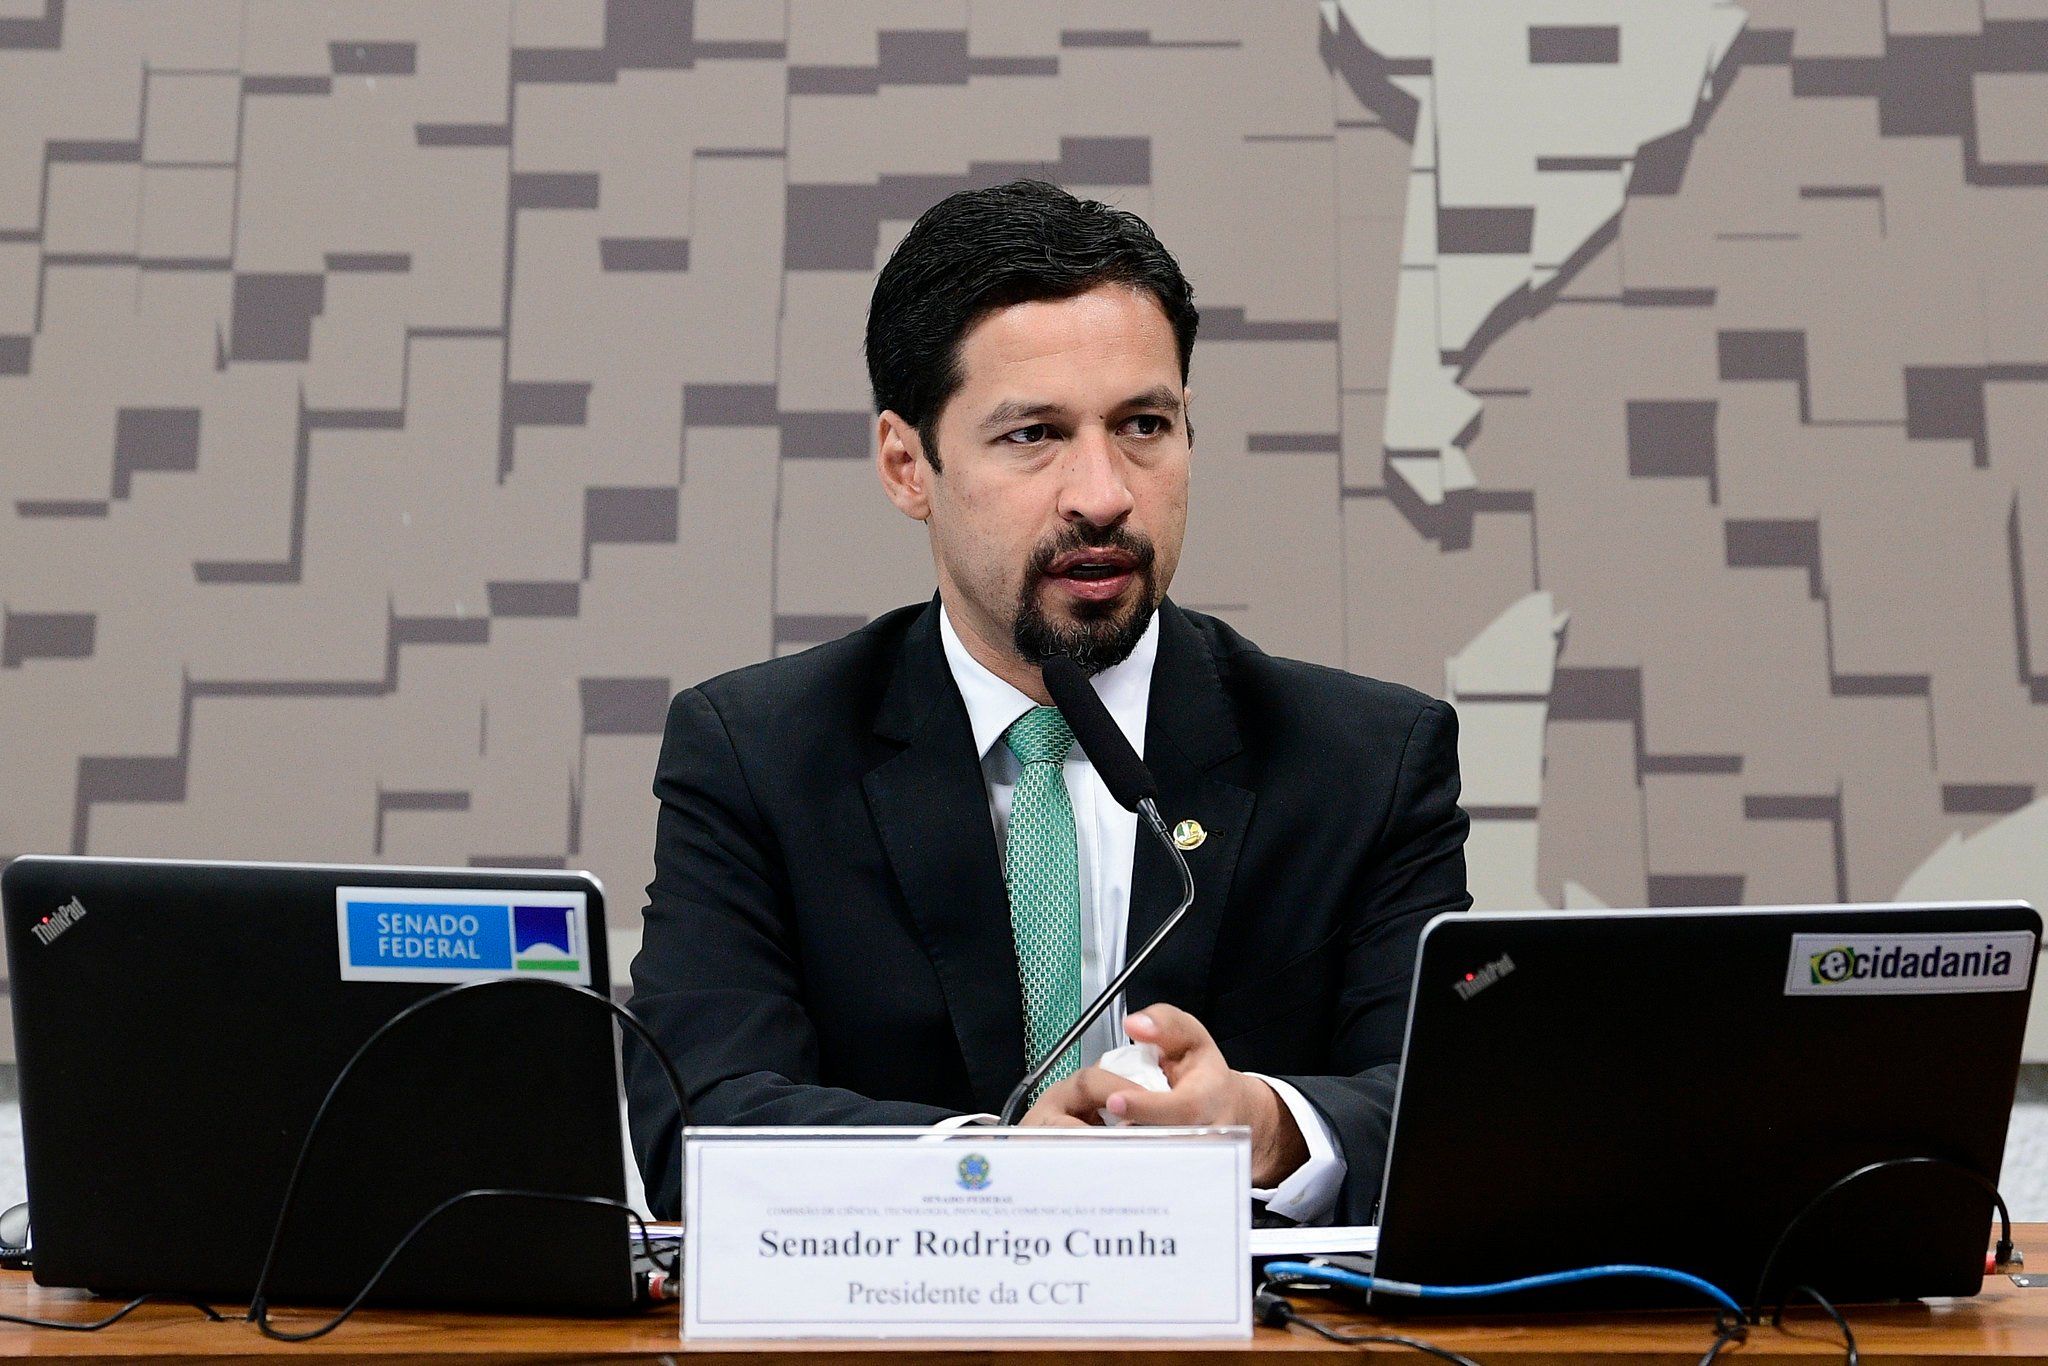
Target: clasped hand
[{"x": 1203, "y": 1090}]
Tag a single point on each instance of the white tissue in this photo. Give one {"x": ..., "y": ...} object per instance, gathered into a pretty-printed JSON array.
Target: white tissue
[{"x": 1137, "y": 1063}]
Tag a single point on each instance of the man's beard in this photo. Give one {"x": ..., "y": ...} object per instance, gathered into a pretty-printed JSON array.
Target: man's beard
[{"x": 1103, "y": 634}]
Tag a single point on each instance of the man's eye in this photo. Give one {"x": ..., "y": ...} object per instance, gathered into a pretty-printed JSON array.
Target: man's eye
[
  {"x": 1028, "y": 436},
  {"x": 1148, "y": 424}
]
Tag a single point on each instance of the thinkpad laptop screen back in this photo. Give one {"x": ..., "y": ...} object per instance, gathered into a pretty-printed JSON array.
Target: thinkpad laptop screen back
[
  {"x": 1674, "y": 1087},
  {"x": 178, "y": 1025}
]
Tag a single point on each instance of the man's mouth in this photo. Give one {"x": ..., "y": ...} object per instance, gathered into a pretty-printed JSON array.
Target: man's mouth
[
  {"x": 1092, "y": 564},
  {"x": 1093, "y": 575}
]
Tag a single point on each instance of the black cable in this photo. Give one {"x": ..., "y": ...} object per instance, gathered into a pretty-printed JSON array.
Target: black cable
[
  {"x": 1382, "y": 1339},
  {"x": 259, "y": 1312},
  {"x": 257, "y": 1306},
  {"x": 94, "y": 1325},
  {"x": 2003, "y": 1251},
  {"x": 1350, "y": 1339},
  {"x": 1848, "y": 1338},
  {"x": 1270, "y": 1306},
  {"x": 673, "y": 1267},
  {"x": 1729, "y": 1329},
  {"x": 673, "y": 1245}
]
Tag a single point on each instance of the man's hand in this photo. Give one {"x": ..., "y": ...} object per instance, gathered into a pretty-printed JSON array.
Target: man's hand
[{"x": 1204, "y": 1092}]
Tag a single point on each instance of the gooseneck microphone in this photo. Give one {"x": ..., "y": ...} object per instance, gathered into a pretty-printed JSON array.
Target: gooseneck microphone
[
  {"x": 1134, "y": 788},
  {"x": 1099, "y": 736}
]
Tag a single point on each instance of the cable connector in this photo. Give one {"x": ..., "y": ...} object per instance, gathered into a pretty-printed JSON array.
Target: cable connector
[
  {"x": 1271, "y": 1308},
  {"x": 2006, "y": 1260},
  {"x": 655, "y": 1287}
]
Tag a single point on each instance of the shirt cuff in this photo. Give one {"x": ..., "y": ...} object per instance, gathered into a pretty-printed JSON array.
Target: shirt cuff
[
  {"x": 1309, "y": 1196},
  {"x": 962, "y": 1121}
]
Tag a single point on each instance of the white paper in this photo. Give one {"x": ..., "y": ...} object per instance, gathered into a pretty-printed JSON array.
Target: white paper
[{"x": 1307, "y": 1242}]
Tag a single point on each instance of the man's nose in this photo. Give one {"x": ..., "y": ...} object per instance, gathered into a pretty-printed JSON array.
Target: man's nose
[{"x": 1097, "y": 489}]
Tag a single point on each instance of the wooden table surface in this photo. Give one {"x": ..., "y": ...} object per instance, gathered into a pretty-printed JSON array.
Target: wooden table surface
[{"x": 2004, "y": 1323}]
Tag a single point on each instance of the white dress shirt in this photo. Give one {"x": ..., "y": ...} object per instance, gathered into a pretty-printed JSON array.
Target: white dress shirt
[{"x": 1106, "y": 838}]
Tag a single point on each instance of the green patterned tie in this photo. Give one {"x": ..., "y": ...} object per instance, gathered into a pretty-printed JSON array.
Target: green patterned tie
[{"x": 1043, "y": 872}]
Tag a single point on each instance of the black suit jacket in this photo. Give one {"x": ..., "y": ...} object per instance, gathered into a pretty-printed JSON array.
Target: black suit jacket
[{"x": 828, "y": 937}]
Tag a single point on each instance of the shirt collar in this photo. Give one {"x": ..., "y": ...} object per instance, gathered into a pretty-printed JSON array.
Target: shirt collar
[{"x": 993, "y": 705}]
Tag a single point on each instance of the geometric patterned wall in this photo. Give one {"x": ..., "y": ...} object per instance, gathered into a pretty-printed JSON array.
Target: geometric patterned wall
[{"x": 399, "y": 401}]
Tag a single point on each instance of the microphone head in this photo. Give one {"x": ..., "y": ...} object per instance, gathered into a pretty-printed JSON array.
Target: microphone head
[{"x": 1097, "y": 732}]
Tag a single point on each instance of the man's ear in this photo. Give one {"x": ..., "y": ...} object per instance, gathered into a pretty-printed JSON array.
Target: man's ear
[{"x": 899, "y": 458}]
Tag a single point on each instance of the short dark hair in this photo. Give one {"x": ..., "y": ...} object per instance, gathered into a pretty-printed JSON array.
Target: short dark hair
[{"x": 980, "y": 250}]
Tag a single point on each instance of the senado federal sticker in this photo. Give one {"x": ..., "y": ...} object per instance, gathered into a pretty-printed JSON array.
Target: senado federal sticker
[
  {"x": 1909, "y": 964},
  {"x": 438, "y": 934}
]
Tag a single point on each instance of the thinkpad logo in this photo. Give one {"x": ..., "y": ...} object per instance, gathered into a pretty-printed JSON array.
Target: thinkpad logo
[
  {"x": 56, "y": 922},
  {"x": 1480, "y": 979}
]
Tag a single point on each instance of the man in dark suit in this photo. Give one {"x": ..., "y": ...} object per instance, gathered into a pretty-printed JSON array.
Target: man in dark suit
[{"x": 884, "y": 879}]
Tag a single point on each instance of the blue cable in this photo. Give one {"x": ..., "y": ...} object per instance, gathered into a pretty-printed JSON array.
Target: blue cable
[{"x": 1351, "y": 1279}]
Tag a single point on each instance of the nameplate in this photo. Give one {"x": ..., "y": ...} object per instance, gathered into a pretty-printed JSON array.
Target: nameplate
[{"x": 968, "y": 1233}]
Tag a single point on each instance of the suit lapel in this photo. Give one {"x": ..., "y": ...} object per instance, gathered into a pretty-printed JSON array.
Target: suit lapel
[
  {"x": 1189, "y": 729},
  {"x": 931, "y": 810}
]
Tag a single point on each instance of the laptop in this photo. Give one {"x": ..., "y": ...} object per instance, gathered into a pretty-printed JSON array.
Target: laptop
[
  {"x": 178, "y": 1024},
  {"x": 1673, "y": 1087}
]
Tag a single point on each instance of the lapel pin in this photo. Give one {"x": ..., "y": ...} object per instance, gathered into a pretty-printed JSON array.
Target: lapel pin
[{"x": 1189, "y": 835}]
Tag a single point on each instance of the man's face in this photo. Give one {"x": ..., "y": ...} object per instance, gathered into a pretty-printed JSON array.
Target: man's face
[{"x": 1057, "y": 516}]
